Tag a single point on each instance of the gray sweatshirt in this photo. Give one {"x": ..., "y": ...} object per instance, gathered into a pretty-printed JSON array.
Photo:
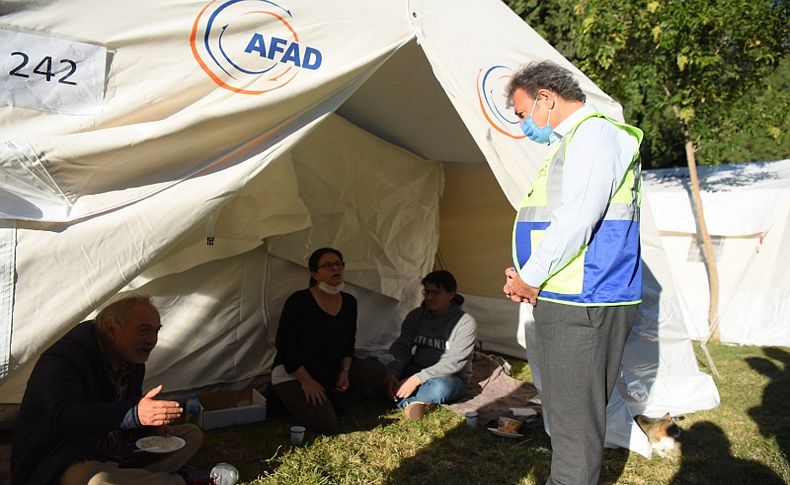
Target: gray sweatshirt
[{"x": 440, "y": 346}]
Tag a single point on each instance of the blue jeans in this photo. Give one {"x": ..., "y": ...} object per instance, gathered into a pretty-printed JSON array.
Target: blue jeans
[{"x": 437, "y": 390}]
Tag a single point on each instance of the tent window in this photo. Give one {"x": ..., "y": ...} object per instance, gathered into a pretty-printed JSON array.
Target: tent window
[{"x": 695, "y": 249}]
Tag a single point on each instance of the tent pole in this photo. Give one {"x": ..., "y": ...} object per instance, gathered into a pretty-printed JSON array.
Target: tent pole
[
  {"x": 704, "y": 345},
  {"x": 711, "y": 364}
]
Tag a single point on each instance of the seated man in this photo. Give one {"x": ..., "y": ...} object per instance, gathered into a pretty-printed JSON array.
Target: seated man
[
  {"x": 443, "y": 337},
  {"x": 84, "y": 407}
]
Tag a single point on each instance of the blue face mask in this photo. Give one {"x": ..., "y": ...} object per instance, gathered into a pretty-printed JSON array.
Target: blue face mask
[{"x": 531, "y": 130}]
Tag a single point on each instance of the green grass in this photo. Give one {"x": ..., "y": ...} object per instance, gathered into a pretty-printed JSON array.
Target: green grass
[{"x": 745, "y": 440}]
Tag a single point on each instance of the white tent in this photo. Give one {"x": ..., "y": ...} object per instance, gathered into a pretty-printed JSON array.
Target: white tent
[
  {"x": 747, "y": 212},
  {"x": 274, "y": 128}
]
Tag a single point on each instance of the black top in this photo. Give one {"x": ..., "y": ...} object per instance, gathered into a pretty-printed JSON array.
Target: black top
[
  {"x": 69, "y": 406},
  {"x": 311, "y": 338}
]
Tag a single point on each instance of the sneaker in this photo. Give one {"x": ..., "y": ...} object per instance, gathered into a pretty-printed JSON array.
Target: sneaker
[{"x": 415, "y": 410}]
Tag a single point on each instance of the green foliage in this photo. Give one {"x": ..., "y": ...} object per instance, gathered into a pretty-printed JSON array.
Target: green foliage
[
  {"x": 550, "y": 20},
  {"x": 753, "y": 127},
  {"x": 703, "y": 57}
]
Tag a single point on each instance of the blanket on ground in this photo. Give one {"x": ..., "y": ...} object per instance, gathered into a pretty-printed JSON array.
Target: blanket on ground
[{"x": 492, "y": 392}]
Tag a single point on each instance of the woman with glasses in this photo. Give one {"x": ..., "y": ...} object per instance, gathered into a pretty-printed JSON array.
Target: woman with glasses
[
  {"x": 443, "y": 338},
  {"x": 315, "y": 346}
]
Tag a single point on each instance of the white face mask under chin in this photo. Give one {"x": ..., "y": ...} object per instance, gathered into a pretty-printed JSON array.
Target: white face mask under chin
[{"x": 329, "y": 289}]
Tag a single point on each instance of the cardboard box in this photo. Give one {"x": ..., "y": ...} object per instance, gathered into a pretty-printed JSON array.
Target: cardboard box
[{"x": 231, "y": 408}]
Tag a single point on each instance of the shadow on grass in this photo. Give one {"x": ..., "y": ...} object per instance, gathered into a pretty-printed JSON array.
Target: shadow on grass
[
  {"x": 706, "y": 458},
  {"x": 465, "y": 455},
  {"x": 257, "y": 450},
  {"x": 475, "y": 456},
  {"x": 773, "y": 416},
  {"x": 455, "y": 455}
]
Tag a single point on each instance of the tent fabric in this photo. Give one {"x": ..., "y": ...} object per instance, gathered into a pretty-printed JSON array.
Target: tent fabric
[
  {"x": 164, "y": 121},
  {"x": 747, "y": 212},
  {"x": 470, "y": 83},
  {"x": 290, "y": 206},
  {"x": 742, "y": 199},
  {"x": 268, "y": 129}
]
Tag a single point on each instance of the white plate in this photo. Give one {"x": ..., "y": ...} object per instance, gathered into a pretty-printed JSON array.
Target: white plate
[
  {"x": 503, "y": 434},
  {"x": 160, "y": 444}
]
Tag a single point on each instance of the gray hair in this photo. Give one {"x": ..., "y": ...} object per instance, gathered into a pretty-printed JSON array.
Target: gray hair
[
  {"x": 118, "y": 311},
  {"x": 545, "y": 75}
]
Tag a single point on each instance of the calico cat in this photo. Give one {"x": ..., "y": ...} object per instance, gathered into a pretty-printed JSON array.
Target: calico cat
[{"x": 661, "y": 432}]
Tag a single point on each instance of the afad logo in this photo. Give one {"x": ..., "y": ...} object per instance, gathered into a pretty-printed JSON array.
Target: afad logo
[
  {"x": 492, "y": 96},
  {"x": 250, "y": 46}
]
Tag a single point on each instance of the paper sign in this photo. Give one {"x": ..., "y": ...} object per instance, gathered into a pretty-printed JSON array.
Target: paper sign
[{"x": 51, "y": 74}]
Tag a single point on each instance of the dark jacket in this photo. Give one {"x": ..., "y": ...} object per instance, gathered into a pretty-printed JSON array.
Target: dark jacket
[{"x": 69, "y": 407}]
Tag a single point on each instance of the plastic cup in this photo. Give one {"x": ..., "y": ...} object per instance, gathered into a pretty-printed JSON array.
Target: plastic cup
[
  {"x": 224, "y": 474},
  {"x": 471, "y": 419},
  {"x": 297, "y": 435}
]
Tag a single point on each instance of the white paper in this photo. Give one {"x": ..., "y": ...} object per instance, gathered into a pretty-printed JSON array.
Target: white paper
[
  {"x": 51, "y": 74},
  {"x": 526, "y": 412}
]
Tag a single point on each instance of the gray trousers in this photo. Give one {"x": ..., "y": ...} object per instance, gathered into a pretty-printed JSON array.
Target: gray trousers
[{"x": 579, "y": 350}]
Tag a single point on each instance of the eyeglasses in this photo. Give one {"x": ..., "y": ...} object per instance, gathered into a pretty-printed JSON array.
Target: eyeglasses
[
  {"x": 331, "y": 266},
  {"x": 432, "y": 292}
]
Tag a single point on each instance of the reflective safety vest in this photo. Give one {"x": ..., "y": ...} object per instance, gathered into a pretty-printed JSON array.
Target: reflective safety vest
[{"x": 608, "y": 270}]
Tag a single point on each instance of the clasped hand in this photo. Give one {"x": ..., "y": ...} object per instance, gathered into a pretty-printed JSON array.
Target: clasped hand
[
  {"x": 153, "y": 412},
  {"x": 517, "y": 290}
]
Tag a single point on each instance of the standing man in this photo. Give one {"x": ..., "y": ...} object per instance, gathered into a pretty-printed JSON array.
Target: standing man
[
  {"x": 577, "y": 260},
  {"x": 84, "y": 407}
]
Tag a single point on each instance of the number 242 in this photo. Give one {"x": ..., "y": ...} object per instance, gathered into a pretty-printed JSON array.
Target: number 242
[{"x": 44, "y": 68}]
